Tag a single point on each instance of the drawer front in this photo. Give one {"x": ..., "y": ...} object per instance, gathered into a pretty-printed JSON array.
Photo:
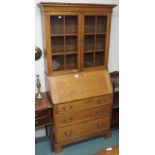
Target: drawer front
[
  {"x": 83, "y": 104},
  {"x": 78, "y": 116},
  {"x": 82, "y": 129},
  {"x": 42, "y": 113}
]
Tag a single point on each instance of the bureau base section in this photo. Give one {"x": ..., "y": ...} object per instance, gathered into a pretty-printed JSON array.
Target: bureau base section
[{"x": 58, "y": 146}]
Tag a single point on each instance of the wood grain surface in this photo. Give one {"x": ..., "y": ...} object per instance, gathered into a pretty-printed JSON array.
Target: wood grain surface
[{"x": 65, "y": 88}]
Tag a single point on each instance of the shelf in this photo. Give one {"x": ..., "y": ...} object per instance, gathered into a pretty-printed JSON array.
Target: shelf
[
  {"x": 96, "y": 51},
  {"x": 88, "y": 51},
  {"x": 71, "y": 34},
  {"x": 57, "y": 35},
  {"x": 62, "y": 35},
  {"x": 102, "y": 33},
  {"x": 89, "y": 34},
  {"x": 68, "y": 53},
  {"x": 58, "y": 53},
  {"x": 62, "y": 53},
  {"x": 99, "y": 50}
]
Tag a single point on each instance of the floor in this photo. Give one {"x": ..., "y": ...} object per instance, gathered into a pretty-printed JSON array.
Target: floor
[{"x": 89, "y": 147}]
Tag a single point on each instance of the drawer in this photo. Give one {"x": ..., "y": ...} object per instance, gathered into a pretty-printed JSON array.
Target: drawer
[
  {"x": 78, "y": 116},
  {"x": 82, "y": 129},
  {"x": 42, "y": 121},
  {"x": 83, "y": 104},
  {"x": 42, "y": 113}
]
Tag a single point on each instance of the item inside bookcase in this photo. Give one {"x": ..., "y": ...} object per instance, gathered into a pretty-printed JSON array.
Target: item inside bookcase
[
  {"x": 99, "y": 58},
  {"x": 58, "y": 62},
  {"x": 57, "y": 24},
  {"x": 89, "y": 43},
  {"x": 100, "y": 42},
  {"x": 71, "y": 44},
  {"x": 71, "y": 61},
  {"x": 88, "y": 60},
  {"x": 89, "y": 24},
  {"x": 101, "y": 24},
  {"x": 71, "y": 25},
  {"x": 57, "y": 44}
]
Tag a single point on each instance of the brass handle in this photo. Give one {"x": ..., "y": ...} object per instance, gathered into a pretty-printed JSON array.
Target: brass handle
[
  {"x": 100, "y": 126},
  {"x": 68, "y": 108},
  {"x": 99, "y": 113},
  {"x": 68, "y": 120},
  {"x": 101, "y": 102},
  {"x": 68, "y": 133}
]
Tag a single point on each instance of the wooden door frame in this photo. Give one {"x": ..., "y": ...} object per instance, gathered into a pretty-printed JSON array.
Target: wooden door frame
[
  {"x": 108, "y": 15},
  {"x": 48, "y": 38}
]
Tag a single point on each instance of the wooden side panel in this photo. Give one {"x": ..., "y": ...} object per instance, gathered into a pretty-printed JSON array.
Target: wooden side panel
[
  {"x": 107, "y": 40},
  {"x": 46, "y": 42},
  {"x": 65, "y": 88}
]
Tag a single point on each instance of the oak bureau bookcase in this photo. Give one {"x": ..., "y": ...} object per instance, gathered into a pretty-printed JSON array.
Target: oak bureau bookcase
[{"x": 76, "y": 47}]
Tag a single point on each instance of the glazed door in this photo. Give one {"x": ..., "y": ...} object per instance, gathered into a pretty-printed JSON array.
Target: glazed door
[
  {"x": 94, "y": 41},
  {"x": 64, "y": 42}
]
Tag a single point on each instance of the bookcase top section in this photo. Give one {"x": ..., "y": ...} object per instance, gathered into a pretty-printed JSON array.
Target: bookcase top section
[
  {"x": 71, "y": 87},
  {"x": 46, "y": 6}
]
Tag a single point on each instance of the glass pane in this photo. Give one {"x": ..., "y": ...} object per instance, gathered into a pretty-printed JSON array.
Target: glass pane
[
  {"x": 57, "y": 24},
  {"x": 58, "y": 62},
  {"x": 57, "y": 44},
  {"x": 89, "y": 43},
  {"x": 71, "y": 44},
  {"x": 101, "y": 24},
  {"x": 88, "y": 60},
  {"x": 71, "y": 24},
  {"x": 99, "y": 58},
  {"x": 89, "y": 24},
  {"x": 100, "y": 42},
  {"x": 71, "y": 61}
]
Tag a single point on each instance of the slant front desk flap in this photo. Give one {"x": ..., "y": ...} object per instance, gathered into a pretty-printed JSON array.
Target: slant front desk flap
[{"x": 70, "y": 87}]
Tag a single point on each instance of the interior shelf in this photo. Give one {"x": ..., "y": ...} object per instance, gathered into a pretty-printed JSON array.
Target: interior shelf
[
  {"x": 88, "y": 51},
  {"x": 99, "y": 50},
  {"x": 61, "y": 35},
  {"x": 58, "y": 53}
]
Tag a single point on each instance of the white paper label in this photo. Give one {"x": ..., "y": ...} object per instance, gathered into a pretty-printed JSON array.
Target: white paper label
[
  {"x": 109, "y": 149},
  {"x": 76, "y": 75}
]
